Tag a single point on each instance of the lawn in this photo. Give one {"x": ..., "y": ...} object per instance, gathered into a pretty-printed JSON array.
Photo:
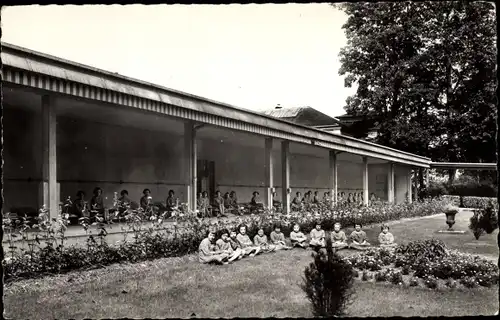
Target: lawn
[{"x": 264, "y": 286}]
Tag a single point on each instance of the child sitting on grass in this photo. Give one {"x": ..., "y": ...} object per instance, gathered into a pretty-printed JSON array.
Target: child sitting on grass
[
  {"x": 247, "y": 244},
  {"x": 297, "y": 238},
  {"x": 235, "y": 244},
  {"x": 386, "y": 238},
  {"x": 317, "y": 237},
  {"x": 224, "y": 245},
  {"x": 207, "y": 252},
  {"x": 278, "y": 239},
  {"x": 260, "y": 240},
  {"x": 359, "y": 239},
  {"x": 339, "y": 239}
]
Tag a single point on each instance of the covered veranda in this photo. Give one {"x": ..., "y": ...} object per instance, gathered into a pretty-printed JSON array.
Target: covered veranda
[{"x": 83, "y": 127}]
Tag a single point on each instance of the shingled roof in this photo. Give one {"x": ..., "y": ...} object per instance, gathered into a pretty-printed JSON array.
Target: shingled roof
[{"x": 306, "y": 116}]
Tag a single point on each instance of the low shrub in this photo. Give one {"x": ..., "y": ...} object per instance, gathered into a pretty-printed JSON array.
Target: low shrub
[
  {"x": 428, "y": 259},
  {"x": 181, "y": 237},
  {"x": 484, "y": 221},
  {"x": 431, "y": 282},
  {"x": 450, "y": 283},
  {"x": 469, "y": 282},
  {"x": 328, "y": 283},
  {"x": 396, "y": 277},
  {"x": 380, "y": 276},
  {"x": 365, "y": 276},
  {"x": 413, "y": 282}
]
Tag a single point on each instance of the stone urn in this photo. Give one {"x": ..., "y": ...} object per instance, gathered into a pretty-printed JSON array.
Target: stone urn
[{"x": 450, "y": 213}]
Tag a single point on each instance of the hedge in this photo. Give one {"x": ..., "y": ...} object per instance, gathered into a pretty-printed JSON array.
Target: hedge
[
  {"x": 49, "y": 255},
  {"x": 470, "y": 202}
]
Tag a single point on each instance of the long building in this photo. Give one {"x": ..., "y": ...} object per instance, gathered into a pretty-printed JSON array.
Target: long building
[{"x": 70, "y": 127}]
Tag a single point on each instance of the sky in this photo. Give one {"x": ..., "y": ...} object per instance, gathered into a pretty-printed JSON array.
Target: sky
[{"x": 250, "y": 56}]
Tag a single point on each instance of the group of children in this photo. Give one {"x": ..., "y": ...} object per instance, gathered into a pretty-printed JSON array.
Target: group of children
[
  {"x": 235, "y": 245},
  {"x": 222, "y": 205},
  {"x": 354, "y": 198}
]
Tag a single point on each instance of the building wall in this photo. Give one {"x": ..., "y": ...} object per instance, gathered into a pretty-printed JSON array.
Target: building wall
[{"x": 116, "y": 158}]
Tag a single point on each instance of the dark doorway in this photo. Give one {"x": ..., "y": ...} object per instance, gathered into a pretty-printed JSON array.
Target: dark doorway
[{"x": 206, "y": 177}]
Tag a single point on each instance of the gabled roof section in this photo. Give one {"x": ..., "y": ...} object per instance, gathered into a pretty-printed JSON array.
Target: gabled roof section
[{"x": 305, "y": 116}]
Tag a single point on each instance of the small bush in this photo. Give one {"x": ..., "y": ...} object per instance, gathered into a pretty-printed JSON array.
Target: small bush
[
  {"x": 413, "y": 282},
  {"x": 484, "y": 221},
  {"x": 365, "y": 276},
  {"x": 355, "y": 273},
  {"x": 380, "y": 276},
  {"x": 405, "y": 270},
  {"x": 396, "y": 278},
  {"x": 450, "y": 283},
  {"x": 328, "y": 283},
  {"x": 431, "y": 282},
  {"x": 468, "y": 282}
]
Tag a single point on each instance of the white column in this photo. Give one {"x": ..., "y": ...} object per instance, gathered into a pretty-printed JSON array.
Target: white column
[
  {"x": 390, "y": 183},
  {"x": 333, "y": 176},
  {"x": 190, "y": 158},
  {"x": 49, "y": 189},
  {"x": 365, "y": 181},
  {"x": 285, "y": 175},
  {"x": 409, "y": 186},
  {"x": 426, "y": 177},
  {"x": 269, "y": 172}
]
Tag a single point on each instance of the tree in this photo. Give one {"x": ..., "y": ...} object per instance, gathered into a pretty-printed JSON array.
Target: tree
[
  {"x": 428, "y": 70},
  {"x": 328, "y": 282}
]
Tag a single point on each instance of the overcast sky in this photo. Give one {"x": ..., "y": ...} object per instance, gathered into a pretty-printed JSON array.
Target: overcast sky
[{"x": 251, "y": 56}]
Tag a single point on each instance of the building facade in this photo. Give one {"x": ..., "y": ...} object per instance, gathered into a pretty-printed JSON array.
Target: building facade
[{"x": 69, "y": 127}]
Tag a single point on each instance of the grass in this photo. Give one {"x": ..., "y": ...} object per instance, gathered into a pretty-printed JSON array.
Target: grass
[{"x": 264, "y": 286}]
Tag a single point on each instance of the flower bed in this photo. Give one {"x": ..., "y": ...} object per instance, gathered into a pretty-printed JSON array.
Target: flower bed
[
  {"x": 427, "y": 260},
  {"x": 49, "y": 254}
]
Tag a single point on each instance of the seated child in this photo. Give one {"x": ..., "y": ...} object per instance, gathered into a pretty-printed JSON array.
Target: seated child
[
  {"x": 339, "y": 239},
  {"x": 208, "y": 253},
  {"x": 235, "y": 244},
  {"x": 358, "y": 238},
  {"x": 255, "y": 204},
  {"x": 296, "y": 204},
  {"x": 386, "y": 238},
  {"x": 297, "y": 238},
  {"x": 278, "y": 239},
  {"x": 246, "y": 244},
  {"x": 224, "y": 245},
  {"x": 260, "y": 240},
  {"x": 317, "y": 237}
]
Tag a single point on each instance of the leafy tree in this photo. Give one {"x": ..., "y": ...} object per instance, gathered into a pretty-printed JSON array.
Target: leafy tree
[{"x": 428, "y": 70}]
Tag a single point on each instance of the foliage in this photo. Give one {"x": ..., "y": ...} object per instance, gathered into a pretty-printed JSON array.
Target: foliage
[
  {"x": 413, "y": 282},
  {"x": 431, "y": 282},
  {"x": 450, "y": 209},
  {"x": 328, "y": 283},
  {"x": 152, "y": 237},
  {"x": 455, "y": 200},
  {"x": 418, "y": 72},
  {"x": 479, "y": 202},
  {"x": 484, "y": 221},
  {"x": 426, "y": 259}
]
